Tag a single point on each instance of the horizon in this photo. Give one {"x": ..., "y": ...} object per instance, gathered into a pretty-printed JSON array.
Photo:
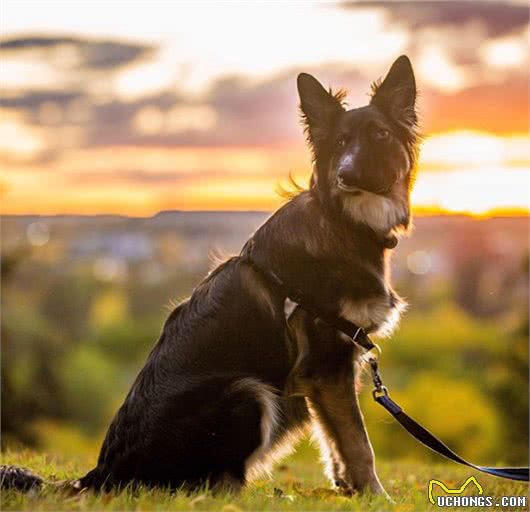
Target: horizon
[{"x": 416, "y": 213}]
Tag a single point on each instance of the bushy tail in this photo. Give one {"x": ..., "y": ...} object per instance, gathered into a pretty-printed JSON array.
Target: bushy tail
[
  {"x": 19, "y": 479},
  {"x": 24, "y": 480}
]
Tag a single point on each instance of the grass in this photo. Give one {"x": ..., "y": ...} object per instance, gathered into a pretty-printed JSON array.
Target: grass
[{"x": 297, "y": 484}]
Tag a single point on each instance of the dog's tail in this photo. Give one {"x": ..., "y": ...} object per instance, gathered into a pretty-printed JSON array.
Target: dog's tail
[
  {"x": 24, "y": 480},
  {"x": 19, "y": 479}
]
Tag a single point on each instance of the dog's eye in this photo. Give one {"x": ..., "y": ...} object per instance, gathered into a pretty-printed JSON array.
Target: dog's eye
[
  {"x": 341, "y": 141},
  {"x": 380, "y": 133}
]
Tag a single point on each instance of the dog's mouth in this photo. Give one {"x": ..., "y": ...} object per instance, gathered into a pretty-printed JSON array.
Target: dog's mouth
[
  {"x": 356, "y": 190},
  {"x": 350, "y": 189}
]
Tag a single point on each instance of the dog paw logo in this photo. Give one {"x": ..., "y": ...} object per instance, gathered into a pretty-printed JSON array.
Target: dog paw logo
[{"x": 460, "y": 490}]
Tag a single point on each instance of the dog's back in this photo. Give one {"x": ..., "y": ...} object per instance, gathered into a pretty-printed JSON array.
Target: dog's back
[{"x": 203, "y": 403}]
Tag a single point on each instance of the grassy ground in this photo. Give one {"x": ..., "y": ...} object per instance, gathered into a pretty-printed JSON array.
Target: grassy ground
[{"x": 296, "y": 485}]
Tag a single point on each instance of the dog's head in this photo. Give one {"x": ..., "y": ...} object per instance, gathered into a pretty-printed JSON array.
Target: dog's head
[{"x": 364, "y": 157}]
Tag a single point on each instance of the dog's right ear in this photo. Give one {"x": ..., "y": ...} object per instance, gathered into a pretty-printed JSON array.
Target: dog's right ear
[
  {"x": 319, "y": 107},
  {"x": 396, "y": 95}
]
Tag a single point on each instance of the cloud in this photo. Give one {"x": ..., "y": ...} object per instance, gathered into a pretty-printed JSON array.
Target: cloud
[
  {"x": 497, "y": 108},
  {"x": 31, "y": 42},
  {"x": 244, "y": 110},
  {"x": 448, "y": 39},
  {"x": 31, "y": 100},
  {"x": 93, "y": 54},
  {"x": 135, "y": 177},
  {"x": 239, "y": 111},
  {"x": 498, "y": 18},
  {"x": 150, "y": 178}
]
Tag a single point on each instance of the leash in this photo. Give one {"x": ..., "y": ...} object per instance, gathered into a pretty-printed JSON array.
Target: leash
[
  {"x": 380, "y": 393},
  {"x": 421, "y": 434}
]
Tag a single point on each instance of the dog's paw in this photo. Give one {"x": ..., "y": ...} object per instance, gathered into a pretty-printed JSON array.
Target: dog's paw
[
  {"x": 342, "y": 487},
  {"x": 376, "y": 489},
  {"x": 363, "y": 483}
]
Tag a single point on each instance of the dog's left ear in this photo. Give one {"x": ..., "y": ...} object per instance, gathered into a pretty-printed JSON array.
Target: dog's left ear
[{"x": 396, "y": 95}]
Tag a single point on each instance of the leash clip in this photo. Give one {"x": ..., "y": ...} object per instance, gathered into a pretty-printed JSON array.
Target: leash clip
[{"x": 379, "y": 389}]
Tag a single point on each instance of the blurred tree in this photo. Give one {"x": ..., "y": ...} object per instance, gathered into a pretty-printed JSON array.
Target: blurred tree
[
  {"x": 86, "y": 372},
  {"x": 29, "y": 388},
  {"x": 66, "y": 303},
  {"x": 509, "y": 386}
]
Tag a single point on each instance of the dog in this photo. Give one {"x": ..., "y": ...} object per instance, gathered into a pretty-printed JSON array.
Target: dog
[{"x": 209, "y": 407}]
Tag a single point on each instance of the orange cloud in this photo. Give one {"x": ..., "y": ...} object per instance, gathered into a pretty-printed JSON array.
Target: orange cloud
[{"x": 500, "y": 109}]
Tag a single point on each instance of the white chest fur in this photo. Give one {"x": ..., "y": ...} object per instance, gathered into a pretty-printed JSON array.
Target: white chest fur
[
  {"x": 378, "y": 315},
  {"x": 379, "y": 212}
]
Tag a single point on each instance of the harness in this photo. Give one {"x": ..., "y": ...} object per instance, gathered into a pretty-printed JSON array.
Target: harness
[{"x": 371, "y": 352}]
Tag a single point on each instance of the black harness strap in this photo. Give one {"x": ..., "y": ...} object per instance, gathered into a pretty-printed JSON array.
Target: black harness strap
[{"x": 356, "y": 333}]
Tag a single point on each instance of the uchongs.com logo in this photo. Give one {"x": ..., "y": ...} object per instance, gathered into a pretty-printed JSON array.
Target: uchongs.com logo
[{"x": 454, "y": 497}]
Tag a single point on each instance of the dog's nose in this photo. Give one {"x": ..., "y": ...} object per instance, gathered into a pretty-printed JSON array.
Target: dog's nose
[{"x": 346, "y": 170}]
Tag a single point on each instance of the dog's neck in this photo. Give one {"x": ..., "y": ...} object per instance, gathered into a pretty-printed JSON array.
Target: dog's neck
[
  {"x": 318, "y": 253},
  {"x": 383, "y": 232}
]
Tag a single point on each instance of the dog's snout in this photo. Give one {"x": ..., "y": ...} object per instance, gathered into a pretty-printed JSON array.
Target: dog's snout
[{"x": 346, "y": 170}]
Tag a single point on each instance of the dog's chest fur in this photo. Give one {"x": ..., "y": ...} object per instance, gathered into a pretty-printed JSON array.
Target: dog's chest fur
[
  {"x": 378, "y": 315},
  {"x": 369, "y": 301},
  {"x": 341, "y": 267}
]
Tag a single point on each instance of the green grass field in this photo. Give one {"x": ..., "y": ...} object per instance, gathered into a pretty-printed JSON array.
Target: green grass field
[{"x": 296, "y": 484}]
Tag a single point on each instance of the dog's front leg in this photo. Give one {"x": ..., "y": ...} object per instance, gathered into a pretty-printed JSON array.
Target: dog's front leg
[{"x": 334, "y": 407}]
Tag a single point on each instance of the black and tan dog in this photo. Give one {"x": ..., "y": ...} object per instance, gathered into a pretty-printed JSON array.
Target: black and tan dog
[{"x": 209, "y": 404}]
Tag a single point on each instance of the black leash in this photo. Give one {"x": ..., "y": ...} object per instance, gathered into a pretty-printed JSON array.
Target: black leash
[
  {"x": 380, "y": 392},
  {"x": 420, "y": 433}
]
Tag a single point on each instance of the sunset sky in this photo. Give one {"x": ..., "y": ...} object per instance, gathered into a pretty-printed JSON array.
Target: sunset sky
[{"x": 139, "y": 106}]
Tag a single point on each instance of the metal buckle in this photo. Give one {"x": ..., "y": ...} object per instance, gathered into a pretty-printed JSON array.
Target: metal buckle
[{"x": 378, "y": 392}]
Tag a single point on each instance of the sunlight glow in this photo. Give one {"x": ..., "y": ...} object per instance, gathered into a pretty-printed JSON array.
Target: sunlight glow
[
  {"x": 468, "y": 148},
  {"x": 474, "y": 191},
  {"x": 507, "y": 52},
  {"x": 458, "y": 172},
  {"x": 27, "y": 73},
  {"x": 18, "y": 140},
  {"x": 436, "y": 69},
  {"x": 146, "y": 77}
]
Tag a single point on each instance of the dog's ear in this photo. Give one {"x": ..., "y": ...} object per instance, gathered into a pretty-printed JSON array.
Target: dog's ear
[
  {"x": 396, "y": 95},
  {"x": 319, "y": 107}
]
